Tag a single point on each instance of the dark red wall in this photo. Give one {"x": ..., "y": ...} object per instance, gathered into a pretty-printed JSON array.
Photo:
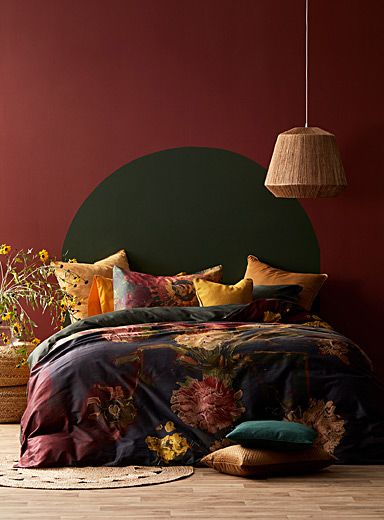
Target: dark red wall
[{"x": 88, "y": 85}]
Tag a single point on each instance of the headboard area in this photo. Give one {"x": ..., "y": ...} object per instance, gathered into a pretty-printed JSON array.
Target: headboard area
[{"x": 189, "y": 208}]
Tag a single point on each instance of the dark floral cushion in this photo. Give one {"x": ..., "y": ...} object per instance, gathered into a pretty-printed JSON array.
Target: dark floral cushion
[{"x": 132, "y": 289}]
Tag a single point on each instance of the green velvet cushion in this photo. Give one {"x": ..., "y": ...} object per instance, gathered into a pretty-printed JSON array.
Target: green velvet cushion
[{"x": 280, "y": 435}]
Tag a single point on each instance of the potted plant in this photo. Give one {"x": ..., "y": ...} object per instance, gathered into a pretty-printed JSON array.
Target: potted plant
[{"x": 27, "y": 283}]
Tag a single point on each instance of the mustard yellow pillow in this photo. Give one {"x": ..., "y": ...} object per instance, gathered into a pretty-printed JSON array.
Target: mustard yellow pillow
[
  {"x": 100, "y": 298},
  {"x": 211, "y": 293},
  {"x": 76, "y": 279},
  {"x": 264, "y": 274}
]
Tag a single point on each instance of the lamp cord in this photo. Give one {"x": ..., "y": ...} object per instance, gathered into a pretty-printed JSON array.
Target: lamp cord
[{"x": 306, "y": 63}]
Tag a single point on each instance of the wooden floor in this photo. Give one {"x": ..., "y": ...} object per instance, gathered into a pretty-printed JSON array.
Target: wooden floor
[{"x": 342, "y": 492}]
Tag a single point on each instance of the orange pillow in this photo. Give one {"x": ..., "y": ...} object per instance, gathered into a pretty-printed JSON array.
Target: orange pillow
[
  {"x": 100, "y": 298},
  {"x": 263, "y": 274}
]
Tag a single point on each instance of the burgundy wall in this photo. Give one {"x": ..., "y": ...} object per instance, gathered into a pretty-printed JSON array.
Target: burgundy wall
[{"x": 88, "y": 85}]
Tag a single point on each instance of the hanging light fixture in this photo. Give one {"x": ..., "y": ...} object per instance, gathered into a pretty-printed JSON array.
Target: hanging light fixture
[{"x": 306, "y": 162}]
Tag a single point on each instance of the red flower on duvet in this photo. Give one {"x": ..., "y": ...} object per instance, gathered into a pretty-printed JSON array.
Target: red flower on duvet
[
  {"x": 112, "y": 408},
  {"x": 208, "y": 404}
]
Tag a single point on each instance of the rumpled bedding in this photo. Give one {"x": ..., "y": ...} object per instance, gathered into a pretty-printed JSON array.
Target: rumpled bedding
[{"x": 160, "y": 386}]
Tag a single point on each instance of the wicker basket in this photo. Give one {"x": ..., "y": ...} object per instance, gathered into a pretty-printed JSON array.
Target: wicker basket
[
  {"x": 13, "y": 400},
  {"x": 10, "y": 375},
  {"x": 13, "y": 383}
]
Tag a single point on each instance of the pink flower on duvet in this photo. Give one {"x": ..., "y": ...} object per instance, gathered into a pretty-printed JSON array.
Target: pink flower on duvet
[{"x": 208, "y": 404}]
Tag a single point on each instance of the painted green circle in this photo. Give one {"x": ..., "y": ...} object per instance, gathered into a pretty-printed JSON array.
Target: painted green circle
[{"x": 186, "y": 209}]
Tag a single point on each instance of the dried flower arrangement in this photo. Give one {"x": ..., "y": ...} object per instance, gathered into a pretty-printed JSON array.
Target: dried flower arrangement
[{"x": 27, "y": 282}]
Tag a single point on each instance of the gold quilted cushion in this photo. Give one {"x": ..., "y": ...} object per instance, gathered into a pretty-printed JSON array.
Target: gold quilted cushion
[
  {"x": 246, "y": 462},
  {"x": 76, "y": 279}
]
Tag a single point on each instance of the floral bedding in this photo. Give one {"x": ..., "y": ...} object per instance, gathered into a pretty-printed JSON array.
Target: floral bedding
[{"x": 165, "y": 385}]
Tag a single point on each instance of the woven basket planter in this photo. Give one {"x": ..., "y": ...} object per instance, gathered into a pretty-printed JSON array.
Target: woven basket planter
[
  {"x": 13, "y": 400},
  {"x": 13, "y": 383},
  {"x": 10, "y": 375}
]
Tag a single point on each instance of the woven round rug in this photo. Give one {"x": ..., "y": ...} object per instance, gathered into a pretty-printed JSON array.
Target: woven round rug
[{"x": 101, "y": 477}]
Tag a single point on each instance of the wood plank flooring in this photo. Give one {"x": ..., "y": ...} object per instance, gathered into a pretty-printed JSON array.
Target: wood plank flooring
[{"x": 339, "y": 493}]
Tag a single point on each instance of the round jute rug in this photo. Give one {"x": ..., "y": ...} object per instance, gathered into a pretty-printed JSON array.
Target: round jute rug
[{"x": 87, "y": 477}]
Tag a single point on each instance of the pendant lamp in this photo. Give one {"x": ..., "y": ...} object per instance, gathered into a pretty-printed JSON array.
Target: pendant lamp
[{"x": 306, "y": 162}]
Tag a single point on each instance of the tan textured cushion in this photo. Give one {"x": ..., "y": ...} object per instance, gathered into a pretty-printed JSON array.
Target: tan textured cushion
[
  {"x": 263, "y": 274},
  {"x": 211, "y": 293},
  {"x": 76, "y": 278},
  {"x": 244, "y": 462}
]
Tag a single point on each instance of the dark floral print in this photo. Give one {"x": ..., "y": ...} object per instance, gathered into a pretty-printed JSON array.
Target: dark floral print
[
  {"x": 209, "y": 340},
  {"x": 208, "y": 404},
  {"x": 154, "y": 389},
  {"x": 170, "y": 446},
  {"x": 271, "y": 317},
  {"x": 322, "y": 417},
  {"x": 221, "y": 443},
  {"x": 110, "y": 405},
  {"x": 333, "y": 347}
]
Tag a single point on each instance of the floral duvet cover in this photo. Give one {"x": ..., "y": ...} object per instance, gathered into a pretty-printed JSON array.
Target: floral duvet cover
[{"x": 165, "y": 385}]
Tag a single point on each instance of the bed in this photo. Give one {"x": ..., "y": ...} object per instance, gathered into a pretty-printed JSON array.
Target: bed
[{"x": 165, "y": 385}]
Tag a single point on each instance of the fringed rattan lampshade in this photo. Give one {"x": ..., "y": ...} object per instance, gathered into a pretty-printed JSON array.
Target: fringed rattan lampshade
[{"x": 305, "y": 163}]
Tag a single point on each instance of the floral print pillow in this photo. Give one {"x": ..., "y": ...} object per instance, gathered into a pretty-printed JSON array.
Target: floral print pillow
[{"x": 132, "y": 289}]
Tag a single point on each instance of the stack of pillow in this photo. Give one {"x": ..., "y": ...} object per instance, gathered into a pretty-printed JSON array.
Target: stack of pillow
[
  {"x": 269, "y": 448},
  {"x": 109, "y": 285}
]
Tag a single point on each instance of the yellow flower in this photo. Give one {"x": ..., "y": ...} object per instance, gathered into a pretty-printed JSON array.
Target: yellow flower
[
  {"x": 36, "y": 341},
  {"x": 318, "y": 324},
  {"x": 4, "y": 339},
  {"x": 16, "y": 329},
  {"x": 4, "y": 249},
  {"x": 206, "y": 340},
  {"x": 169, "y": 427},
  {"x": 168, "y": 447},
  {"x": 44, "y": 255},
  {"x": 6, "y": 316},
  {"x": 72, "y": 261},
  {"x": 271, "y": 317}
]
